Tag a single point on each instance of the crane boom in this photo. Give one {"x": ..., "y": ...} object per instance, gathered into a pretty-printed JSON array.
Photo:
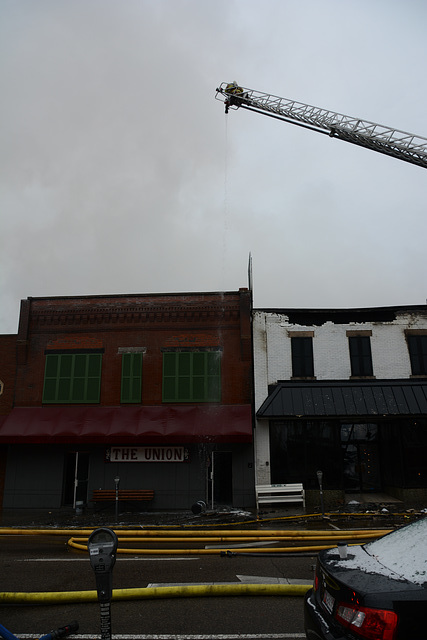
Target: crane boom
[{"x": 392, "y": 142}]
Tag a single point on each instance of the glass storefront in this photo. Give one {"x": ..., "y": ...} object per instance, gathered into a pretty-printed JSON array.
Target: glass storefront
[{"x": 354, "y": 456}]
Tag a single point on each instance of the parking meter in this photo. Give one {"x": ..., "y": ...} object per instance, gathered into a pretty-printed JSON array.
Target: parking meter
[
  {"x": 102, "y": 546},
  {"x": 320, "y": 479}
]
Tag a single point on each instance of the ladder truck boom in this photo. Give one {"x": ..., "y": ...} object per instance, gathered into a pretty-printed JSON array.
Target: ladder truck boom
[{"x": 392, "y": 142}]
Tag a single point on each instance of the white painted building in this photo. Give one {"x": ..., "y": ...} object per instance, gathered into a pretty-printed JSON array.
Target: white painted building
[{"x": 343, "y": 391}]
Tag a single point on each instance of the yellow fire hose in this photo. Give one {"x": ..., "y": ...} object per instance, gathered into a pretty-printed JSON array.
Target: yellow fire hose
[
  {"x": 203, "y": 536},
  {"x": 158, "y": 592},
  {"x": 81, "y": 543},
  {"x": 179, "y": 536},
  {"x": 195, "y": 533}
]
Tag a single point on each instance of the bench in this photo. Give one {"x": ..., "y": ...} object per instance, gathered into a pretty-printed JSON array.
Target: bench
[
  {"x": 272, "y": 493},
  {"x": 123, "y": 495}
]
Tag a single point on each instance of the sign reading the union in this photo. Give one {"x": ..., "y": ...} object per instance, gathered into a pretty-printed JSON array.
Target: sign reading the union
[{"x": 147, "y": 454}]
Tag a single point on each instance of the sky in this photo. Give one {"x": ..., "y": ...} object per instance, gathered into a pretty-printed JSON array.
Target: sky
[{"x": 120, "y": 173}]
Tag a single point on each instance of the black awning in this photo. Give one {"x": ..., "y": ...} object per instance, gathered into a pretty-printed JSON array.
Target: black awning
[{"x": 341, "y": 398}]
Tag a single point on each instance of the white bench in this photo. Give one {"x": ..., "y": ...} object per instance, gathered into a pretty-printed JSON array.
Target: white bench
[{"x": 270, "y": 493}]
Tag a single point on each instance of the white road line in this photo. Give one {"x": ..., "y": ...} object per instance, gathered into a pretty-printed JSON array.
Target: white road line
[
  {"x": 271, "y": 580},
  {"x": 173, "y": 636},
  {"x": 243, "y": 580},
  {"x": 139, "y": 559},
  {"x": 154, "y": 585}
]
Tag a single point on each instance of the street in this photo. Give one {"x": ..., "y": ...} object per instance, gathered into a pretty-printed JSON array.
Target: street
[{"x": 47, "y": 564}]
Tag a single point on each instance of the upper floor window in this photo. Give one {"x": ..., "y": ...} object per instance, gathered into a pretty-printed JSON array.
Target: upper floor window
[
  {"x": 360, "y": 355},
  {"x": 417, "y": 345},
  {"x": 192, "y": 376},
  {"x": 302, "y": 357},
  {"x": 131, "y": 389},
  {"x": 72, "y": 378}
]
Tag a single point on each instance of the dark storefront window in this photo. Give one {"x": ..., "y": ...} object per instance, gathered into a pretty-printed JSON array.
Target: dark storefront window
[
  {"x": 302, "y": 357},
  {"x": 414, "y": 447},
  {"x": 360, "y": 356},
  {"x": 404, "y": 446},
  {"x": 391, "y": 451},
  {"x": 361, "y": 457},
  {"x": 417, "y": 346},
  {"x": 72, "y": 378},
  {"x": 192, "y": 376},
  {"x": 299, "y": 448},
  {"x": 131, "y": 390}
]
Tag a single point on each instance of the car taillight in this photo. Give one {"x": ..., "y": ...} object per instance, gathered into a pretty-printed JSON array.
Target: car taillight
[{"x": 375, "y": 624}]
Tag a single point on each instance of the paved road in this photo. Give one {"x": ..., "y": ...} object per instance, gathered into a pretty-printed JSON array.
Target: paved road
[{"x": 48, "y": 564}]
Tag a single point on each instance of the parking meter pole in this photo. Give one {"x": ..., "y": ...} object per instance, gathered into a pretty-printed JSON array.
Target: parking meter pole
[
  {"x": 320, "y": 479},
  {"x": 102, "y": 546},
  {"x": 105, "y": 620},
  {"x": 117, "y": 482}
]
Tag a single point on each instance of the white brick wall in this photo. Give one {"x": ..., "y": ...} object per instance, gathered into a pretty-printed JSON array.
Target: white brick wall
[{"x": 272, "y": 357}]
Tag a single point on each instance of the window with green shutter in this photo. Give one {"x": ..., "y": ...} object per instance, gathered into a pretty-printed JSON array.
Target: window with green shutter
[
  {"x": 131, "y": 377},
  {"x": 72, "y": 378},
  {"x": 192, "y": 376}
]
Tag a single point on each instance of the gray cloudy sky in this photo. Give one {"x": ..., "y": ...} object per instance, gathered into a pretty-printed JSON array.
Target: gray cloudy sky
[{"x": 120, "y": 173}]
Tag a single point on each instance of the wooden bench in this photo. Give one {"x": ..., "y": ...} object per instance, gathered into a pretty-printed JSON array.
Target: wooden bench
[
  {"x": 124, "y": 495},
  {"x": 272, "y": 493}
]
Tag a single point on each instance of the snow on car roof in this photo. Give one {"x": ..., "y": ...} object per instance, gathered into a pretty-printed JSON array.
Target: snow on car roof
[
  {"x": 404, "y": 551},
  {"x": 400, "y": 554}
]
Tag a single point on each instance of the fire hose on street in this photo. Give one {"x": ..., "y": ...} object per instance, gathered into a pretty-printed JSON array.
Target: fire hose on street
[
  {"x": 147, "y": 593},
  {"x": 79, "y": 540}
]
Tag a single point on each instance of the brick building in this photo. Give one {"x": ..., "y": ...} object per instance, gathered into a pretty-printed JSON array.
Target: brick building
[
  {"x": 343, "y": 392},
  {"x": 153, "y": 389}
]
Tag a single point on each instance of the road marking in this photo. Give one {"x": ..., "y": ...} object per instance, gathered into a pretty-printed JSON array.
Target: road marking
[
  {"x": 154, "y": 585},
  {"x": 87, "y": 559},
  {"x": 243, "y": 579},
  {"x": 270, "y": 580},
  {"x": 173, "y": 636}
]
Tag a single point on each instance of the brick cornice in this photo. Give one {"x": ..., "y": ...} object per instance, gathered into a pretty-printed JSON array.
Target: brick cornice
[{"x": 131, "y": 315}]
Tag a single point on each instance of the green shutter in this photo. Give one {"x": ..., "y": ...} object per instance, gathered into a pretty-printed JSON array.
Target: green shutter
[
  {"x": 192, "y": 376},
  {"x": 170, "y": 363},
  {"x": 51, "y": 378},
  {"x": 131, "y": 377},
  {"x": 72, "y": 378}
]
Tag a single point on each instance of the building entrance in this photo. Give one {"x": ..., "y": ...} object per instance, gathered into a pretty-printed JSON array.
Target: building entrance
[
  {"x": 221, "y": 491},
  {"x": 360, "y": 457}
]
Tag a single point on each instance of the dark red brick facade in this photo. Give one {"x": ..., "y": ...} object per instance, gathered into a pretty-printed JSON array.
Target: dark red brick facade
[
  {"x": 153, "y": 322},
  {"x": 60, "y": 439}
]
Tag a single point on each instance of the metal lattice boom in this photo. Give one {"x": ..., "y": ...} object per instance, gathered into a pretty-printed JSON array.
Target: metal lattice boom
[{"x": 392, "y": 142}]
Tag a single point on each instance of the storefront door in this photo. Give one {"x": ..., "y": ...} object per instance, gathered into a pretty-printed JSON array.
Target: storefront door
[{"x": 222, "y": 481}]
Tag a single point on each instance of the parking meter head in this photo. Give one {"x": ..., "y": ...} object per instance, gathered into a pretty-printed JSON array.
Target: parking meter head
[{"x": 102, "y": 546}]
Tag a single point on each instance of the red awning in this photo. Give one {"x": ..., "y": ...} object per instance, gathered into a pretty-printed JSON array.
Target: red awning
[{"x": 122, "y": 425}]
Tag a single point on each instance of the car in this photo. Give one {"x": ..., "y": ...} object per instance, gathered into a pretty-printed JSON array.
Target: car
[{"x": 377, "y": 591}]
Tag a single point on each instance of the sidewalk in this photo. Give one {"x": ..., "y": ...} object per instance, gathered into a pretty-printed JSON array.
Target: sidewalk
[
  {"x": 66, "y": 517},
  {"x": 352, "y": 515}
]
